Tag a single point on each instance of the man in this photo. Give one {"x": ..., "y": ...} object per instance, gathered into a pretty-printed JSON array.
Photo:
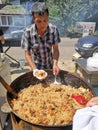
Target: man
[
  {"x": 40, "y": 41},
  {"x": 2, "y": 40}
]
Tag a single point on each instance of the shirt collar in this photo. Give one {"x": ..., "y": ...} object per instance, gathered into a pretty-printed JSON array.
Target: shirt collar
[{"x": 34, "y": 29}]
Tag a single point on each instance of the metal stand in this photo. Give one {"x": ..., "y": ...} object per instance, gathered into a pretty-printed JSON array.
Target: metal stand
[{"x": 5, "y": 52}]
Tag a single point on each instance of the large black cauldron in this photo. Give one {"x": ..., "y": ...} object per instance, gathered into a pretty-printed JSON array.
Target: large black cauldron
[{"x": 64, "y": 77}]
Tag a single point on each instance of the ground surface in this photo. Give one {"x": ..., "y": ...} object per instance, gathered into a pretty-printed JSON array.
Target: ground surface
[{"x": 66, "y": 48}]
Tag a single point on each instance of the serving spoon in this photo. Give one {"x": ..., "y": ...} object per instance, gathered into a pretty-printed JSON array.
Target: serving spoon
[
  {"x": 8, "y": 87},
  {"x": 55, "y": 80}
]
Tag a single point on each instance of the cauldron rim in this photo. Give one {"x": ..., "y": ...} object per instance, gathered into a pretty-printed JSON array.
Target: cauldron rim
[{"x": 42, "y": 125}]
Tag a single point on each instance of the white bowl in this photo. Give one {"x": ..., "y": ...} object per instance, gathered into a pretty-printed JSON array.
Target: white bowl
[{"x": 41, "y": 74}]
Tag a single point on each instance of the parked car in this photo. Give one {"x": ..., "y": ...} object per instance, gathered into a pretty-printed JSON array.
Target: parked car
[
  {"x": 17, "y": 34},
  {"x": 87, "y": 45},
  {"x": 13, "y": 38}
]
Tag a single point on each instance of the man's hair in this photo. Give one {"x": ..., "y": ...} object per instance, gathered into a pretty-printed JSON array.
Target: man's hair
[{"x": 39, "y": 8}]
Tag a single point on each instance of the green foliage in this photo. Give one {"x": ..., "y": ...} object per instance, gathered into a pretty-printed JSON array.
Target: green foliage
[
  {"x": 4, "y": 1},
  {"x": 65, "y": 13}
]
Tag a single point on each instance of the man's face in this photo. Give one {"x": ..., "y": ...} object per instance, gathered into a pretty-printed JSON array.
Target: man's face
[{"x": 41, "y": 22}]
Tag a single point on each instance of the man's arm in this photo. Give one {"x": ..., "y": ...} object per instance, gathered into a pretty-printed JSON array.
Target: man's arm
[
  {"x": 55, "y": 59},
  {"x": 30, "y": 60}
]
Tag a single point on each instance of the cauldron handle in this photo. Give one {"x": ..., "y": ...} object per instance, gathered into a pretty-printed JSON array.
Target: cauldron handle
[{"x": 8, "y": 87}]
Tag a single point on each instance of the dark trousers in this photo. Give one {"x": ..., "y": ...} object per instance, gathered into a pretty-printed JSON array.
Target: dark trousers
[{"x": 1, "y": 48}]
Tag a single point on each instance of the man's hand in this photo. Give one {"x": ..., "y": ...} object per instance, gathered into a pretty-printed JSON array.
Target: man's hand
[
  {"x": 35, "y": 71},
  {"x": 92, "y": 102},
  {"x": 56, "y": 70},
  {"x": 3, "y": 42}
]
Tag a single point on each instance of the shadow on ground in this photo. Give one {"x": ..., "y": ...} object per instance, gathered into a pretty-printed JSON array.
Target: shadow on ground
[
  {"x": 17, "y": 69},
  {"x": 16, "y": 65}
]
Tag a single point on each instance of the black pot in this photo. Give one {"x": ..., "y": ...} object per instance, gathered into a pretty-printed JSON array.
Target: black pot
[{"x": 64, "y": 77}]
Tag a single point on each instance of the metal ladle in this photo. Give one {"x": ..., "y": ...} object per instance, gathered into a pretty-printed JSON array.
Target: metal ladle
[{"x": 55, "y": 80}]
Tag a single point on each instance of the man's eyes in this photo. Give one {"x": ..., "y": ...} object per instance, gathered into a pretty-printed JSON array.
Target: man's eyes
[
  {"x": 38, "y": 21},
  {"x": 41, "y": 21}
]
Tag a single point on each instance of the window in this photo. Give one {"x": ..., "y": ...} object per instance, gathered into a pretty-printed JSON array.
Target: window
[
  {"x": 10, "y": 20},
  {"x": 6, "y": 20},
  {"x": 13, "y": 20},
  {"x": 3, "y": 20}
]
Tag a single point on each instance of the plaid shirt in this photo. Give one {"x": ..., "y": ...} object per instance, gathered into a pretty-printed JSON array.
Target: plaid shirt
[{"x": 41, "y": 49}]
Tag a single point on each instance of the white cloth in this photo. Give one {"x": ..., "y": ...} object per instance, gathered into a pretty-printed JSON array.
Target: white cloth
[{"x": 86, "y": 118}]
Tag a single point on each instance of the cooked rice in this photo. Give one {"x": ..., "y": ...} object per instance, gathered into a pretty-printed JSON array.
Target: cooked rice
[{"x": 49, "y": 104}]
